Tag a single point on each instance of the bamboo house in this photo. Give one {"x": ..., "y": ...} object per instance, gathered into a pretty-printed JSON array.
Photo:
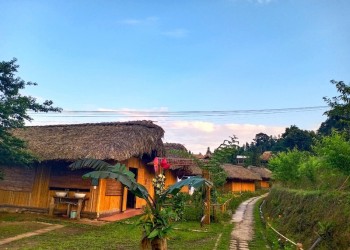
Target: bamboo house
[
  {"x": 239, "y": 178},
  {"x": 264, "y": 173},
  {"x": 133, "y": 143}
]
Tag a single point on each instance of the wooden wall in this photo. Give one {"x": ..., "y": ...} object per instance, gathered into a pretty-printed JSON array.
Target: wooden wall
[
  {"x": 170, "y": 178},
  {"x": 44, "y": 185},
  {"x": 144, "y": 176},
  {"x": 36, "y": 186},
  {"x": 265, "y": 184},
  {"x": 36, "y": 196},
  {"x": 239, "y": 186}
]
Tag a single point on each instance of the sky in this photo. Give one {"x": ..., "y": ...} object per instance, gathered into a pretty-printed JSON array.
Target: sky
[{"x": 203, "y": 70}]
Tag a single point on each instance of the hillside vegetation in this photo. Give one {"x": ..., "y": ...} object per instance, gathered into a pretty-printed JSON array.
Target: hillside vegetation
[{"x": 305, "y": 216}]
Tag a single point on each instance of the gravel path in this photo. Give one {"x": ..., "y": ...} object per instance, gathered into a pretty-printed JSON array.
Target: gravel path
[{"x": 244, "y": 222}]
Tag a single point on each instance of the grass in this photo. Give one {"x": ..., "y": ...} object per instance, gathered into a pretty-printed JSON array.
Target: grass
[
  {"x": 264, "y": 236},
  {"x": 10, "y": 229},
  {"x": 117, "y": 235}
]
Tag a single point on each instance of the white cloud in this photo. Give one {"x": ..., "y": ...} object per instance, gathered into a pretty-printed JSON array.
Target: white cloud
[
  {"x": 197, "y": 136},
  {"x": 144, "y": 21},
  {"x": 176, "y": 33}
]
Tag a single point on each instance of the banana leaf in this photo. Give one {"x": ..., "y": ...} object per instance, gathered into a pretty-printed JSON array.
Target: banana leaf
[
  {"x": 89, "y": 163},
  {"x": 104, "y": 170},
  {"x": 134, "y": 187},
  {"x": 194, "y": 181}
]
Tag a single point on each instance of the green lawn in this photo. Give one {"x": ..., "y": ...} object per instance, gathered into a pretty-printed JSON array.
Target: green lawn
[{"x": 118, "y": 235}]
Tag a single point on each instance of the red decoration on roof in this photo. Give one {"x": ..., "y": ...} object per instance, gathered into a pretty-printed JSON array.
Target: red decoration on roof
[{"x": 164, "y": 164}]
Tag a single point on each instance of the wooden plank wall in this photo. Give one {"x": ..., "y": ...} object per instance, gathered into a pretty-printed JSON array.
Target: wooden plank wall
[
  {"x": 38, "y": 196},
  {"x": 170, "y": 178},
  {"x": 240, "y": 186},
  {"x": 265, "y": 184},
  {"x": 101, "y": 200},
  {"x": 144, "y": 176},
  {"x": 106, "y": 204},
  {"x": 113, "y": 203}
]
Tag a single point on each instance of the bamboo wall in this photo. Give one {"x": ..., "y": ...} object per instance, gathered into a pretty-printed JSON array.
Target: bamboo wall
[
  {"x": 239, "y": 186},
  {"x": 37, "y": 196},
  {"x": 144, "y": 176},
  {"x": 105, "y": 198},
  {"x": 265, "y": 184},
  {"x": 170, "y": 178}
]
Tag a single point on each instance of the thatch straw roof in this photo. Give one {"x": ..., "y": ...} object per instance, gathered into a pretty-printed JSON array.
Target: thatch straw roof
[
  {"x": 180, "y": 161},
  {"x": 170, "y": 148},
  {"x": 240, "y": 173},
  {"x": 266, "y": 156},
  {"x": 115, "y": 141},
  {"x": 264, "y": 173}
]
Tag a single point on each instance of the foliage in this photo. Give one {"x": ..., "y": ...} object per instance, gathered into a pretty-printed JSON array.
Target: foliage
[
  {"x": 294, "y": 137},
  {"x": 286, "y": 166},
  {"x": 334, "y": 152},
  {"x": 178, "y": 205},
  {"x": 304, "y": 216},
  {"x": 339, "y": 113},
  {"x": 14, "y": 109},
  {"x": 225, "y": 153}
]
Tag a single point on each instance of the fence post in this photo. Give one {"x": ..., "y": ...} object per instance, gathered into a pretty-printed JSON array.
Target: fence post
[{"x": 207, "y": 199}]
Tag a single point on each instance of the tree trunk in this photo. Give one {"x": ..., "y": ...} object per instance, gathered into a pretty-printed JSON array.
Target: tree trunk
[{"x": 159, "y": 244}]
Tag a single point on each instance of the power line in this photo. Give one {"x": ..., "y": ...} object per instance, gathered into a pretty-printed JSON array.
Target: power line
[{"x": 164, "y": 114}]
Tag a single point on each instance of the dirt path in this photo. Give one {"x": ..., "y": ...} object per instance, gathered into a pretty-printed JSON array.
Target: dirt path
[
  {"x": 36, "y": 232},
  {"x": 243, "y": 219}
]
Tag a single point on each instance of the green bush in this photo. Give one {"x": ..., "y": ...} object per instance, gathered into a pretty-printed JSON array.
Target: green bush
[{"x": 192, "y": 213}]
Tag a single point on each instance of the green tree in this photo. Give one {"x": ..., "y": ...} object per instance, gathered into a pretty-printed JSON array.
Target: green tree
[
  {"x": 14, "y": 109},
  {"x": 334, "y": 151},
  {"x": 339, "y": 113},
  {"x": 286, "y": 166},
  {"x": 294, "y": 137},
  {"x": 225, "y": 153}
]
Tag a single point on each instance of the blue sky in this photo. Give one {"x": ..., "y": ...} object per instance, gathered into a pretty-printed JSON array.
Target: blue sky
[{"x": 171, "y": 56}]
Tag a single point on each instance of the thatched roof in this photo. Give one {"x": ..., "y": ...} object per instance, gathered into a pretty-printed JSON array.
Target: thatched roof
[
  {"x": 170, "y": 148},
  {"x": 266, "y": 156},
  {"x": 264, "y": 173},
  {"x": 180, "y": 161},
  {"x": 239, "y": 172},
  {"x": 115, "y": 141}
]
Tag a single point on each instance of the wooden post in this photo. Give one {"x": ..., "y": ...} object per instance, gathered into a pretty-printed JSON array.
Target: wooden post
[
  {"x": 52, "y": 206},
  {"x": 80, "y": 204},
  {"x": 207, "y": 199}
]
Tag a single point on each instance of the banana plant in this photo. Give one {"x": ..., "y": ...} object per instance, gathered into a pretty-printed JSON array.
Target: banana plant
[{"x": 156, "y": 222}]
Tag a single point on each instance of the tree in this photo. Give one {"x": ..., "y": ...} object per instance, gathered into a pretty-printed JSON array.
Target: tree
[
  {"x": 334, "y": 151},
  {"x": 294, "y": 137},
  {"x": 262, "y": 142},
  {"x": 225, "y": 153},
  {"x": 13, "y": 114},
  {"x": 339, "y": 114},
  {"x": 155, "y": 222}
]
